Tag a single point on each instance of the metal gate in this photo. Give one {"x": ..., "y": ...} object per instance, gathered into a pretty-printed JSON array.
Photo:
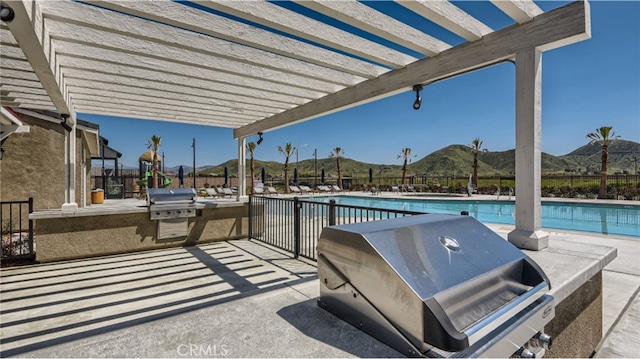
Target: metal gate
[{"x": 17, "y": 230}]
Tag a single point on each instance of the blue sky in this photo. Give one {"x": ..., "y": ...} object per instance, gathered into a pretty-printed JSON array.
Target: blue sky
[{"x": 586, "y": 85}]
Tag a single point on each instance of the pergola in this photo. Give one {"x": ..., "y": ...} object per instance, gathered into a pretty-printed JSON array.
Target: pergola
[{"x": 255, "y": 66}]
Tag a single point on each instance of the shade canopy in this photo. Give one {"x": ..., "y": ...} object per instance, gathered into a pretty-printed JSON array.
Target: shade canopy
[{"x": 253, "y": 65}]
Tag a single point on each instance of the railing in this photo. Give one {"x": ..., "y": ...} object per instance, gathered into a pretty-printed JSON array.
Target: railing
[
  {"x": 17, "y": 230},
  {"x": 294, "y": 225}
]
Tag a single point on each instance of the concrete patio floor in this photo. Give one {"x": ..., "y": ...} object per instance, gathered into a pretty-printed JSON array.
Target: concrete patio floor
[
  {"x": 234, "y": 299},
  {"x": 227, "y": 299}
]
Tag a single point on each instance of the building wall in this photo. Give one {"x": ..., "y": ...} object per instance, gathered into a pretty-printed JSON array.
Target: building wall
[{"x": 33, "y": 165}]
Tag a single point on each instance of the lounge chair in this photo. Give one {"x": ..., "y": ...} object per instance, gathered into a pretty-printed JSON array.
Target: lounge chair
[
  {"x": 305, "y": 189},
  {"x": 395, "y": 189},
  {"x": 226, "y": 191},
  {"x": 272, "y": 190},
  {"x": 258, "y": 190},
  {"x": 324, "y": 188},
  {"x": 375, "y": 190},
  {"x": 335, "y": 188},
  {"x": 211, "y": 192},
  {"x": 295, "y": 189}
]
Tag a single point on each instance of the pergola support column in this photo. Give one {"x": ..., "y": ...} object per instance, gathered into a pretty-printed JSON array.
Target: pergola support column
[
  {"x": 528, "y": 233},
  {"x": 70, "y": 205},
  {"x": 242, "y": 168}
]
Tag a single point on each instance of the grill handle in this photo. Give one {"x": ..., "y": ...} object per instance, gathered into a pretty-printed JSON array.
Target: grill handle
[{"x": 500, "y": 316}]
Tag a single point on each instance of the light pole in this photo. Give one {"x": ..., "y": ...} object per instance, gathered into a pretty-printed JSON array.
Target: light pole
[
  {"x": 296, "y": 149},
  {"x": 315, "y": 166},
  {"x": 194, "y": 162}
]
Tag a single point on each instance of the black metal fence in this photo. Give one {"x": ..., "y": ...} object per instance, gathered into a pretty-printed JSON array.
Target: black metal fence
[
  {"x": 294, "y": 225},
  {"x": 17, "y": 230}
]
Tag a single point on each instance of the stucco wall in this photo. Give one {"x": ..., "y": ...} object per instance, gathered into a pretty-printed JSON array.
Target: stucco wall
[
  {"x": 87, "y": 236},
  {"x": 577, "y": 327},
  {"x": 33, "y": 165}
]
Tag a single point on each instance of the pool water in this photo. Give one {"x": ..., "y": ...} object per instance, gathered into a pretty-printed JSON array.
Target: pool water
[{"x": 597, "y": 218}]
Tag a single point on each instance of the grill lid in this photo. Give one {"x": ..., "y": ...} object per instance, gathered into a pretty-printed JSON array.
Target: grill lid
[
  {"x": 159, "y": 196},
  {"x": 463, "y": 277}
]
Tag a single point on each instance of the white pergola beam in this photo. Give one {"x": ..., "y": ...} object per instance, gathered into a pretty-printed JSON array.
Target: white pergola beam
[
  {"x": 184, "y": 110},
  {"x": 448, "y": 16},
  {"x": 26, "y": 28},
  {"x": 8, "y": 73},
  {"x": 155, "y": 116},
  {"x": 105, "y": 96},
  {"x": 519, "y": 10},
  {"x": 22, "y": 90},
  {"x": 33, "y": 105},
  {"x": 559, "y": 27},
  {"x": 81, "y": 86},
  {"x": 27, "y": 96},
  {"x": 15, "y": 64},
  {"x": 103, "y": 73},
  {"x": 368, "y": 19},
  {"x": 168, "y": 88},
  {"x": 220, "y": 27}
]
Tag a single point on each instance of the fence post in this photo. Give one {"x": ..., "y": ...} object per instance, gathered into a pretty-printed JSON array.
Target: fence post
[
  {"x": 332, "y": 212},
  {"x": 250, "y": 216},
  {"x": 30, "y": 226},
  {"x": 296, "y": 227}
]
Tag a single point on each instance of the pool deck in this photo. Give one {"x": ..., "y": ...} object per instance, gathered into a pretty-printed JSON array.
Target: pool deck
[{"x": 236, "y": 299}]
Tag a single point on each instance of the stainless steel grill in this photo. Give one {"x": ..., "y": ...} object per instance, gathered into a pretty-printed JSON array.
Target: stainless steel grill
[
  {"x": 171, "y": 207},
  {"x": 435, "y": 285}
]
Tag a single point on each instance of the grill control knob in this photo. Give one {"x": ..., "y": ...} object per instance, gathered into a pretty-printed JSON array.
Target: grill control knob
[
  {"x": 543, "y": 340},
  {"x": 525, "y": 353}
]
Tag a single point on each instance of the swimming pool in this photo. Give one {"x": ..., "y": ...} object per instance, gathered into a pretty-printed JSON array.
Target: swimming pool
[{"x": 597, "y": 218}]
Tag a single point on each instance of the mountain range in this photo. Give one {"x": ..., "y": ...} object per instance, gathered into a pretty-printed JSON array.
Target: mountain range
[{"x": 453, "y": 159}]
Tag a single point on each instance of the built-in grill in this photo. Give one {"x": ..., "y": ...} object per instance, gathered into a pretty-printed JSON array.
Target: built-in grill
[
  {"x": 435, "y": 285},
  {"x": 171, "y": 207}
]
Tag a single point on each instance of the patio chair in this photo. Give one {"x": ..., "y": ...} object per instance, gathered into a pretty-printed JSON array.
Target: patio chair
[
  {"x": 375, "y": 190},
  {"x": 305, "y": 189},
  {"x": 211, "y": 192},
  {"x": 295, "y": 189},
  {"x": 258, "y": 190},
  {"x": 335, "y": 188},
  {"x": 272, "y": 190},
  {"x": 226, "y": 192},
  {"x": 324, "y": 188},
  {"x": 395, "y": 189}
]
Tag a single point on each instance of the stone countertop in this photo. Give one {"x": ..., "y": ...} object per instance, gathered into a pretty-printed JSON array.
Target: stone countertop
[{"x": 128, "y": 206}]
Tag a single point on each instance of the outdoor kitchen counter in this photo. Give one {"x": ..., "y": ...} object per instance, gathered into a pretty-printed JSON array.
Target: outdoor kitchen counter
[
  {"x": 575, "y": 272},
  {"x": 111, "y": 207},
  {"x": 123, "y": 226}
]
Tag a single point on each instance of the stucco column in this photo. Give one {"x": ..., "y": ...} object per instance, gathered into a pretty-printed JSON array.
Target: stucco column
[
  {"x": 70, "y": 205},
  {"x": 242, "y": 168},
  {"x": 528, "y": 233}
]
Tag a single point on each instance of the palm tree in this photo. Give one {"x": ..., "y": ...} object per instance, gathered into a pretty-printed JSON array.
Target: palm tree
[
  {"x": 251, "y": 147},
  {"x": 406, "y": 154},
  {"x": 476, "y": 148},
  {"x": 605, "y": 136},
  {"x": 287, "y": 151},
  {"x": 337, "y": 153},
  {"x": 154, "y": 144}
]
